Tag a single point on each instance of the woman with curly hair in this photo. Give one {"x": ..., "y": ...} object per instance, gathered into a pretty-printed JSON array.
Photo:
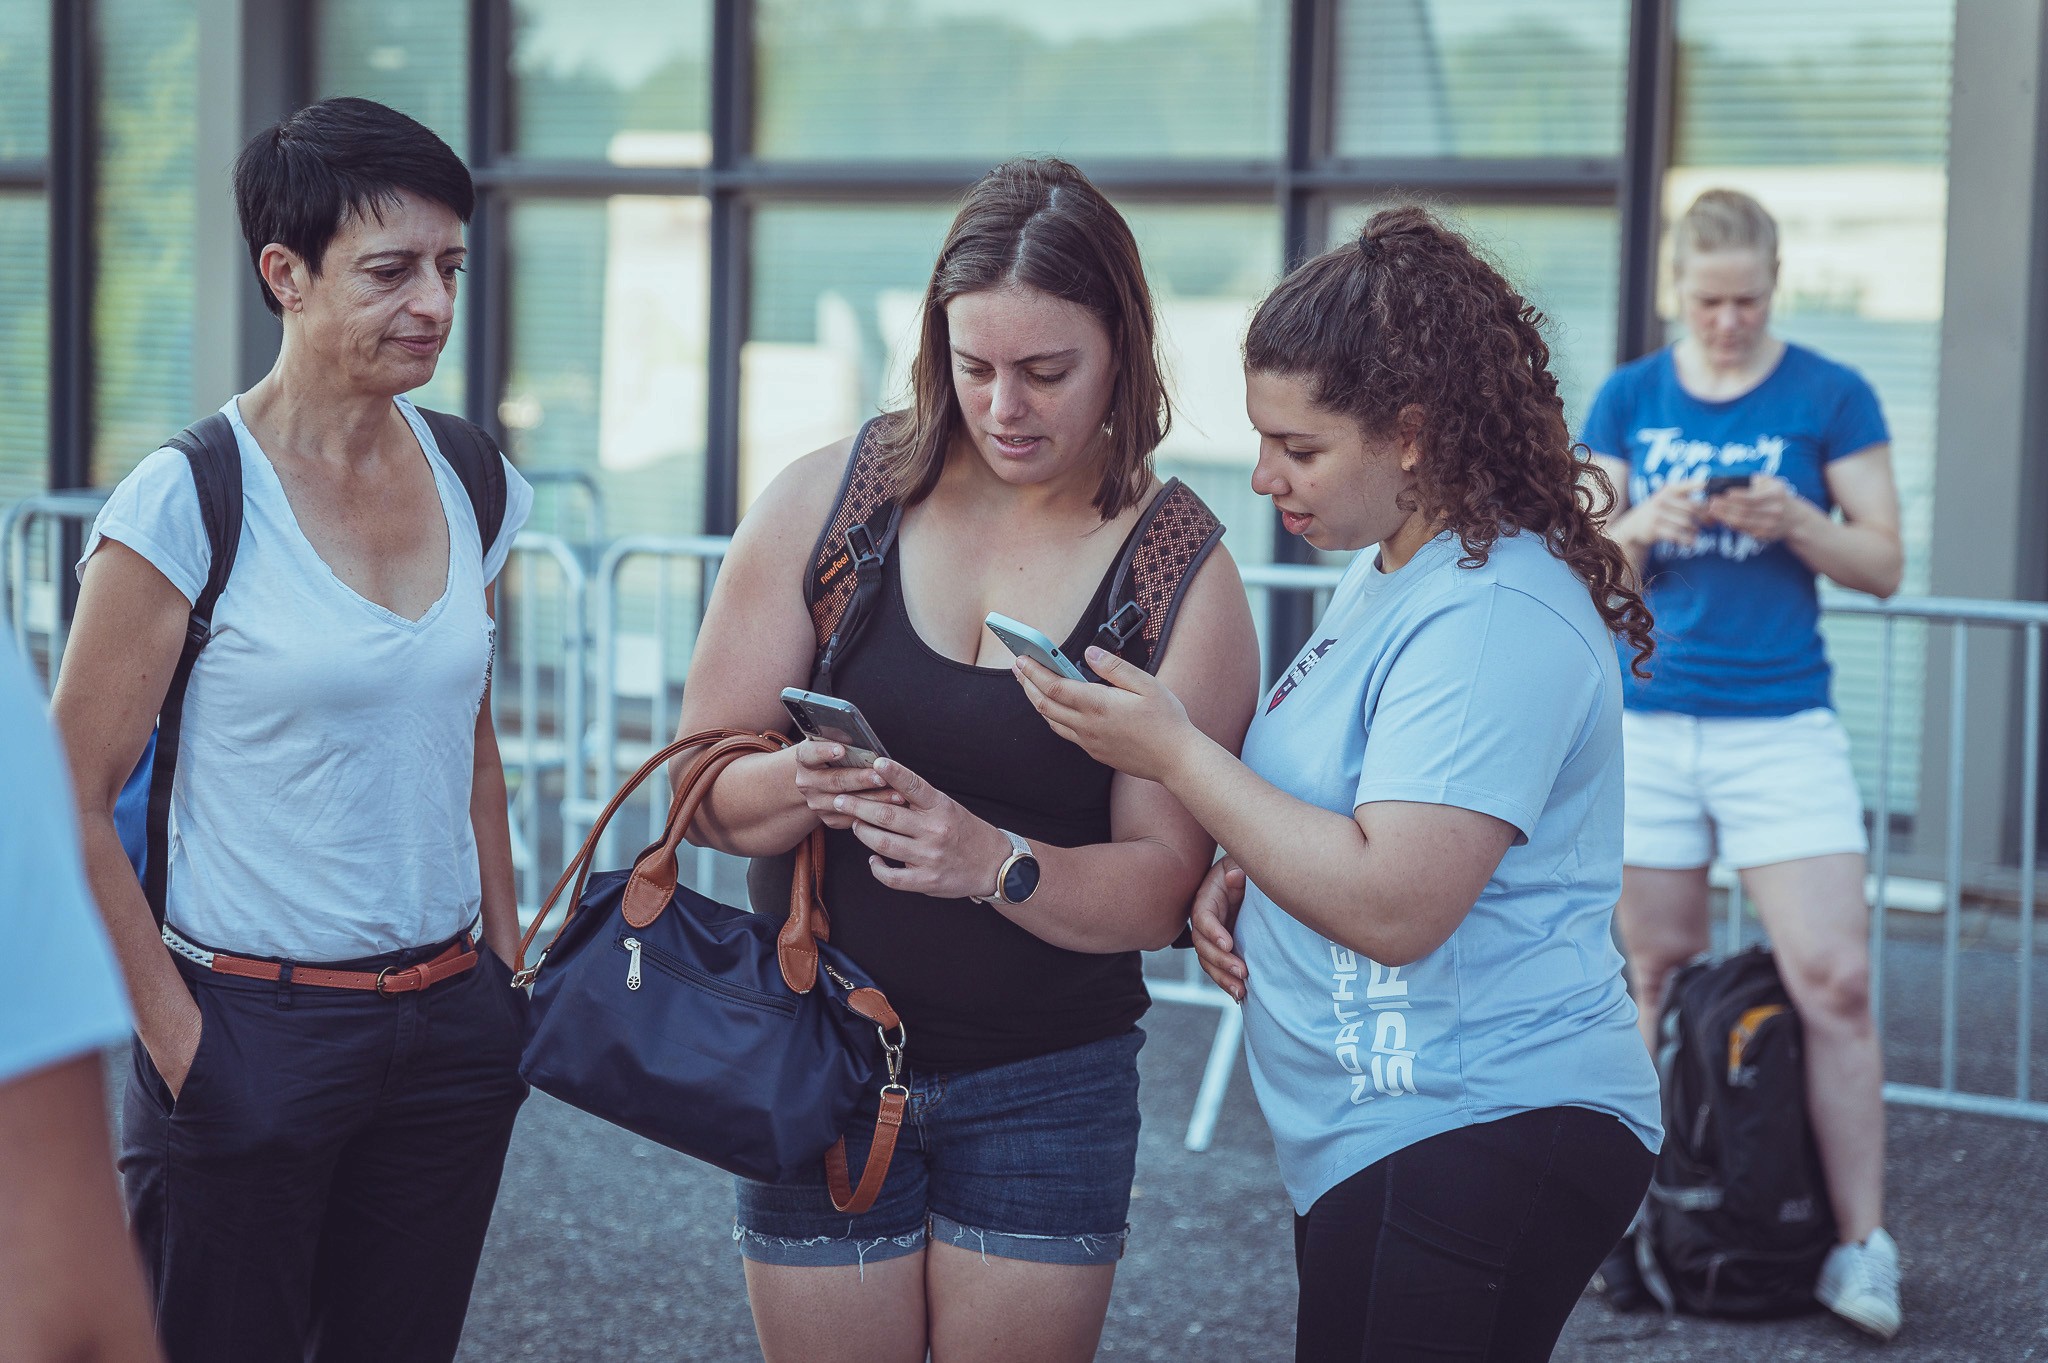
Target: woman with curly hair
[{"x": 1423, "y": 839}]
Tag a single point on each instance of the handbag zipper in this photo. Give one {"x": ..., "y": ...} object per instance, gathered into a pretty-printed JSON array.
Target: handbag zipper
[{"x": 710, "y": 984}]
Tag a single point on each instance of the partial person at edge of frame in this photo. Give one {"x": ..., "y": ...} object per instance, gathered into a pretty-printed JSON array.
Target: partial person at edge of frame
[
  {"x": 1733, "y": 744},
  {"x": 70, "y": 1289},
  {"x": 1023, "y": 465},
  {"x": 338, "y": 796},
  {"x": 1423, "y": 839}
]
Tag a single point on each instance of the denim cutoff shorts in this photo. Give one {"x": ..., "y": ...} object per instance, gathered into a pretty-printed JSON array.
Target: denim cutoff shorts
[{"x": 1032, "y": 1160}]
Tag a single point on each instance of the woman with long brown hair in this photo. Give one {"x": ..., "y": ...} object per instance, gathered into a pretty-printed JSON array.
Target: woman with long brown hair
[
  {"x": 1424, "y": 835},
  {"x": 996, "y": 883}
]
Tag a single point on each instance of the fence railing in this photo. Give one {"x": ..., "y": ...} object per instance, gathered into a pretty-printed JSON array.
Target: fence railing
[{"x": 593, "y": 658}]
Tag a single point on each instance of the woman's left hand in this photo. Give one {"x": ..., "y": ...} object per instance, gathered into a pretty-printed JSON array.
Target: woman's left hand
[
  {"x": 944, "y": 851},
  {"x": 1766, "y": 510},
  {"x": 1132, "y": 723}
]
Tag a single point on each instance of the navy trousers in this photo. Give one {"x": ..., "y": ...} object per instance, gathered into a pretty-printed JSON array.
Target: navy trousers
[{"x": 321, "y": 1186}]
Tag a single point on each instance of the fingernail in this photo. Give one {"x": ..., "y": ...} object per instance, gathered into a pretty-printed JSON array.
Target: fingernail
[
  {"x": 1096, "y": 655},
  {"x": 839, "y": 802}
]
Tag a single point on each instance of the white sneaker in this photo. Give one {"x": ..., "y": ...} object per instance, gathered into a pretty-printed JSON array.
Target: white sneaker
[{"x": 1860, "y": 1283}]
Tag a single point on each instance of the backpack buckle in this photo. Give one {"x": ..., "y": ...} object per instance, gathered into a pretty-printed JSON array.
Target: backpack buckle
[
  {"x": 1122, "y": 627},
  {"x": 861, "y": 541}
]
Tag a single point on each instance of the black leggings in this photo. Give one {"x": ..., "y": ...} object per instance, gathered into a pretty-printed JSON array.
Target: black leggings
[{"x": 1472, "y": 1245}]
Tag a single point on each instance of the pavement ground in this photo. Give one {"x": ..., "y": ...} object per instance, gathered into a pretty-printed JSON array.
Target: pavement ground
[{"x": 608, "y": 1247}]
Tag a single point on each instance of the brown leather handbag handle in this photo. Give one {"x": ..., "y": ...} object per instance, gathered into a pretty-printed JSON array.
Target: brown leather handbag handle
[{"x": 653, "y": 884}]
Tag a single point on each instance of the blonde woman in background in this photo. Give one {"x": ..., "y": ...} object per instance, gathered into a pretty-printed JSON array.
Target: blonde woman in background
[{"x": 1732, "y": 451}]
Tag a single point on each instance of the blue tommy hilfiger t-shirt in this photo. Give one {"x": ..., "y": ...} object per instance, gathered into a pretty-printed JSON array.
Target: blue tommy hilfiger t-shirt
[
  {"x": 1493, "y": 689},
  {"x": 1738, "y": 621}
]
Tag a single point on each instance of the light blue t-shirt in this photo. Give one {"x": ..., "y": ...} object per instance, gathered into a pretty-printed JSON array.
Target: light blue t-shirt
[
  {"x": 1738, "y": 621},
  {"x": 66, "y": 998},
  {"x": 1492, "y": 689}
]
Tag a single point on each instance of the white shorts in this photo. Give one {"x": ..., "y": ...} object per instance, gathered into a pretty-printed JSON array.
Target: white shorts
[{"x": 1753, "y": 791}]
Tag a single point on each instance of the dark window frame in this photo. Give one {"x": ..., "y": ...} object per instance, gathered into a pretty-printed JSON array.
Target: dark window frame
[{"x": 1306, "y": 181}]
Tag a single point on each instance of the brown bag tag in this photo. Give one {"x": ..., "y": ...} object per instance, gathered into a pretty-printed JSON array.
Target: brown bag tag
[{"x": 653, "y": 884}]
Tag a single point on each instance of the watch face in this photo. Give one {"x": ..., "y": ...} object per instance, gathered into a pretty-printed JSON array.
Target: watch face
[{"x": 1020, "y": 879}]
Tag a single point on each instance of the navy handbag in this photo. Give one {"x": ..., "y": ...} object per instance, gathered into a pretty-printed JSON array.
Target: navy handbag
[{"x": 742, "y": 1041}]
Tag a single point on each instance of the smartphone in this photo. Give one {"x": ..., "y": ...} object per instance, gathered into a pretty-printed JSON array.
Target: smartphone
[
  {"x": 829, "y": 719},
  {"x": 1726, "y": 482},
  {"x": 1027, "y": 642}
]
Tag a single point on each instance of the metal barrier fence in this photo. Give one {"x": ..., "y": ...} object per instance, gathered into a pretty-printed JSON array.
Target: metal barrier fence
[
  {"x": 2026, "y": 620},
  {"x": 540, "y": 671},
  {"x": 564, "y": 755},
  {"x": 539, "y": 684},
  {"x": 38, "y": 535}
]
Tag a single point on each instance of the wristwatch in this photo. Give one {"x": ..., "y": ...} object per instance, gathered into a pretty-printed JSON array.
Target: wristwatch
[{"x": 1017, "y": 877}]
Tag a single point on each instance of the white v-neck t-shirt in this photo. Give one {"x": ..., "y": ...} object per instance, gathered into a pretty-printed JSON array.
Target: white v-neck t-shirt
[{"x": 320, "y": 810}]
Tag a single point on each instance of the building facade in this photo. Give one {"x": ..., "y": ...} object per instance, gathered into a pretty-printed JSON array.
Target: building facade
[{"x": 704, "y": 225}]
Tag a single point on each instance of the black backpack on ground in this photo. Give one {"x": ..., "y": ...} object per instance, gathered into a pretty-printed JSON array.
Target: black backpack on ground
[
  {"x": 142, "y": 813},
  {"x": 1738, "y": 1221}
]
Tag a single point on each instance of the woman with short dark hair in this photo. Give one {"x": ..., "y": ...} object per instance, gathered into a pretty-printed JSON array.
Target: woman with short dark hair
[
  {"x": 1425, "y": 831},
  {"x": 997, "y": 884},
  {"x": 325, "y": 1068}
]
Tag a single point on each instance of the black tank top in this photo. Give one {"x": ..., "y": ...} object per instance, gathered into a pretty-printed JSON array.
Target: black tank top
[{"x": 974, "y": 988}]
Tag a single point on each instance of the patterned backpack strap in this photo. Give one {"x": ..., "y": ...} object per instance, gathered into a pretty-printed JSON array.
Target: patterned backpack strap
[
  {"x": 1176, "y": 535},
  {"x": 846, "y": 564}
]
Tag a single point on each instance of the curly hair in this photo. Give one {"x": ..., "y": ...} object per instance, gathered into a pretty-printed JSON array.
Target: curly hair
[{"x": 1408, "y": 315}]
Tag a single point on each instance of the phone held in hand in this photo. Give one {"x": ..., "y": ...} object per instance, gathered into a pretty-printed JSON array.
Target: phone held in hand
[
  {"x": 1726, "y": 482},
  {"x": 1026, "y": 642},
  {"x": 828, "y": 719}
]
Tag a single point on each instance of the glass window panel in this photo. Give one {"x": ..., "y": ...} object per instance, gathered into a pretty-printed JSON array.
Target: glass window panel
[
  {"x": 143, "y": 229},
  {"x": 1566, "y": 259},
  {"x": 1208, "y": 268},
  {"x": 24, "y": 344},
  {"x": 612, "y": 80},
  {"x": 1834, "y": 81},
  {"x": 1835, "y": 116},
  {"x": 1480, "y": 77},
  {"x": 834, "y": 323},
  {"x": 607, "y": 378},
  {"x": 410, "y": 54},
  {"x": 24, "y": 79},
  {"x": 985, "y": 79}
]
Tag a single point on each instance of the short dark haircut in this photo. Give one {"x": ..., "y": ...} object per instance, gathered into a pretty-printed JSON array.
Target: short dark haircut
[
  {"x": 1040, "y": 223},
  {"x": 298, "y": 180}
]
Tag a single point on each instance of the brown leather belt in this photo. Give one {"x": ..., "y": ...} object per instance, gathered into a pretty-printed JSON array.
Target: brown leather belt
[{"x": 461, "y": 955}]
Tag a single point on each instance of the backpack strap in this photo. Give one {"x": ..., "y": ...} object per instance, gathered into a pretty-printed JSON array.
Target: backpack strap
[
  {"x": 474, "y": 456},
  {"x": 210, "y": 447},
  {"x": 1177, "y": 533},
  {"x": 846, "y": 565}
]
